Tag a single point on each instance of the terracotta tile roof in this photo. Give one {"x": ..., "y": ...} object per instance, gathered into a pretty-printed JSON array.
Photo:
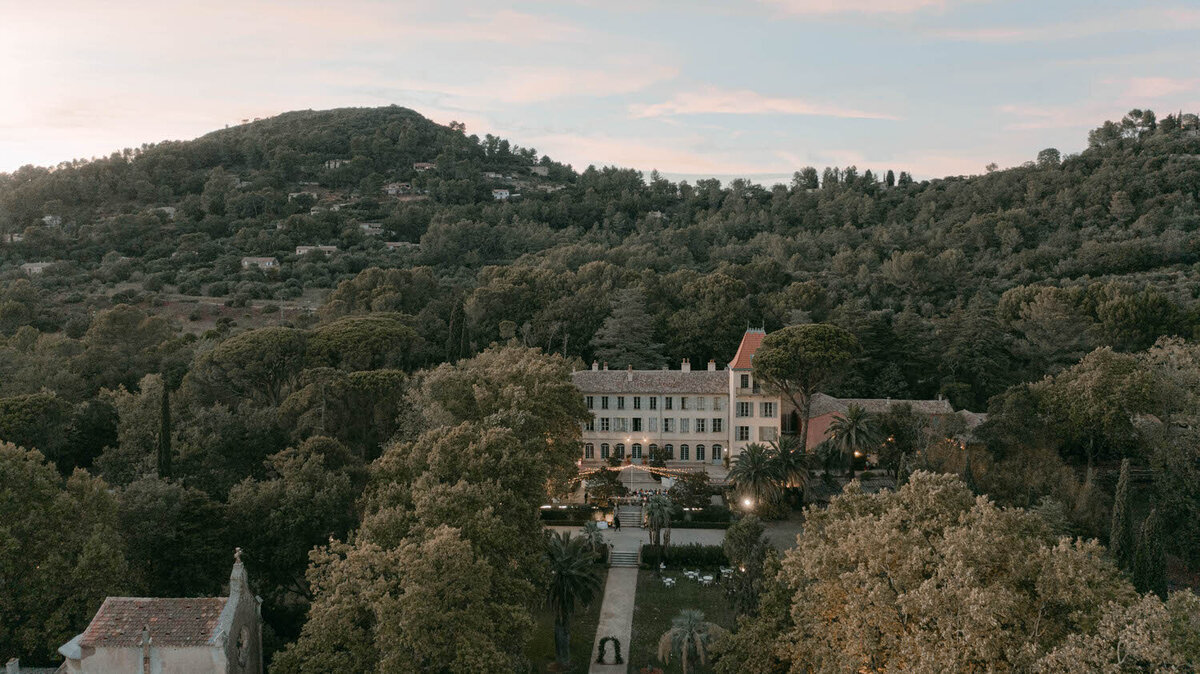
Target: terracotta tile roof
[
  {"x": 821, "y": 404},
  {"x": 172, "y": 622},
  {"x": 882, "y": 405},
  {"x": 745, "y": 353},
  {"x": 651, "y": 381}
]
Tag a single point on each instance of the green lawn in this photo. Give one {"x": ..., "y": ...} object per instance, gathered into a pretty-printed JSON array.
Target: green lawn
[
  {"x": 657, "y": 605},
  {"x": 583, "y": 631}
]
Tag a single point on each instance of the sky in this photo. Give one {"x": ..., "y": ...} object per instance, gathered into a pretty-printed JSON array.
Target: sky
[{"x": 692, "y": 88}]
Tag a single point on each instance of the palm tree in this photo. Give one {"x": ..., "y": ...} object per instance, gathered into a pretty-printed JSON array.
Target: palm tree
[
  {"x": 688, "y": 639},
  {"x": 754, "y": 474},
  {"x": 792, "y": 464},
  {"x": 573, "y": 581},
  {"x": 854, "y": 433},
  {"x": 593, "y": 537},
  {"x": 658, "y": 520}
]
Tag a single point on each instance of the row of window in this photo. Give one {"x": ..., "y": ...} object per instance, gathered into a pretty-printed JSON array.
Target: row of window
[
  {"x": 765, "y": 433},
  {"x": 668, "y": 402},
  {"x": 668, "y": 450},
  {"x": 765, "y": 410},
  {"x": 669, "y": 425}
]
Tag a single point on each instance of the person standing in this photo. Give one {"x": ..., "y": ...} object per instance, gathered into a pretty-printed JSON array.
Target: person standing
[{"x": 616, "y": 522}]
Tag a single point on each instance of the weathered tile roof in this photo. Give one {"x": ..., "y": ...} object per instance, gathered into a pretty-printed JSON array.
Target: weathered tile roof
[
  {"x": 171, "y": 622},
  {"x": 882, "y": 405},
  {"x": 745, "y": 353},
  {"x": 651, "y": 381}
]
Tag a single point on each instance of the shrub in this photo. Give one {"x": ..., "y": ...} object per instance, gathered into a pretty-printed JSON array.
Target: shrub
[
  {"x": 570, "y": 514},
  {"x": 690, "y": 556}
]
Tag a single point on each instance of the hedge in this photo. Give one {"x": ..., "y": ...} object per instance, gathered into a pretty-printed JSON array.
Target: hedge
[
  {"x": 582, "y": 513},
  {"x": 680, "y": 524},
  {"x": 690, "y": 556}
]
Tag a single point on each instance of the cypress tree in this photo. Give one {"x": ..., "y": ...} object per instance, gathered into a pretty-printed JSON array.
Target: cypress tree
[
  {"x": 1120, "y": 537},
  {"x": 968, "y": 476},
  {"x": 1150, "y": 563},
  {"x": 164, "y": 434}
]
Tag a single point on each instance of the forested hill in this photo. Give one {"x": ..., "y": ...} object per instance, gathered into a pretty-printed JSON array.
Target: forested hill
[{"x": 960, "y": 286}]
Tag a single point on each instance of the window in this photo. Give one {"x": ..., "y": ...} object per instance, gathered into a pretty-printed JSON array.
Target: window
[
  {"x": 668, "y": 403},
  {"x": 621, "y": 424},
  {"x": 637, "y": 425},
  {"x": 589, "y": 451},
  {"x": 668, "y": 425},
  {"x": 591, "y": 402},
  {"x": 768, "y": 433},
  {"x": 637, "y": 451},
  {"x": 701, "y": 402},
  {"x": 683, "y": 452},
  {"x": 604, "y": 424},
  {"x": 683, "y": 425},
  {"x": 766, "y": 410},
  {"x": 604, "y": 450},
  {"x": 716, "y": 452},
  {"x": 745, "y": 381},
  {"x": 683, "y": 402},
  {"x": 718, "y": 404},
  {"x": 743, "y": 433},
  {"x": 637, "y": 402},
  {"x": 745, "y": 409},
  {"x": 669, "y": 450},
  {"x": 755, "y": 388},
  {"x": 653, "y": 402},
  {"x": 620, "y": 402},
  {"x": 652, "y": 426},
  {"x": 653, "y": 451},
  {"x": 620, "y": 450},
  {"x": 603, "y": 402},
  {"x": 699, "y": 452},
  {"x": 789, "y": 423},
  {"x": 718, "y": 425},
  {"x": 590, "y": 424},
  {"x": 700, "y": 425}
]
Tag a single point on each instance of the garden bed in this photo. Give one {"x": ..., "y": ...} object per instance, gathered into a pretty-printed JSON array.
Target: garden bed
[{"x": 540, "y": 649}]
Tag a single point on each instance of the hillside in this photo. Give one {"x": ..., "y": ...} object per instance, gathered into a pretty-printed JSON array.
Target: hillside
[{"x": 959, "y": 286}]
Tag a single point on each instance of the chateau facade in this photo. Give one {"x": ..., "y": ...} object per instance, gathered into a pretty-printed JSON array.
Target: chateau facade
[
  {"x": 692, "y": 417},
  {"x": 700, "y": 418}
]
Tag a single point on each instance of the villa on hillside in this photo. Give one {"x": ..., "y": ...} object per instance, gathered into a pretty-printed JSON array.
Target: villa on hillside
[
  {"x": 260, "y": 262},
  {"x": 305, "y": 250},
  {"x": 701, "y": 418}
]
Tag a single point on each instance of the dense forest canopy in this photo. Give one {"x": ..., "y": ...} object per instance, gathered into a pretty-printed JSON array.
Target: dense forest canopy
[{"x": 180, "y": 394}]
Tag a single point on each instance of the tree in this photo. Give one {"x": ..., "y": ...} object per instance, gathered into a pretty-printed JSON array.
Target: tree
[
  {"x": 747, "y": 550},
  {"x": 175, "y": 538},
  {"x": 373, "y": 342},
  {"x": 1049, "y": 158},
  {"x": 855, "y": 434},
  {"x": 689, "y": 639},
  {"x": 627, "y": 336},
  {"x": 755, "y": 475},
  {"x": 658, "y": 521},
  {"x": 573, "y": 582},
  {"x": 929, "y": 578},
  {"x": 61, "y": 554},
  {"x": 792, "y": 465},
  {"x": 261, "y": 365},
  {"x": 1149, "y": 561},
  {"x": 1120, "y": 537},
  {"x": 1146, "y": 636},
  {"x": 800, "y": 360}
]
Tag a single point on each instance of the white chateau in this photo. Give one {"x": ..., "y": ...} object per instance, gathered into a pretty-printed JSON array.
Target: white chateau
[
  {"x": 700, "y": 418},
  {"x": 693, "y": 417}
]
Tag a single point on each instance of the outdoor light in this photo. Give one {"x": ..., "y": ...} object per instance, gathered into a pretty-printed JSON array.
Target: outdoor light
[
  {"x": 857, "y": 454},
  {"x": 747, "y": 502}
]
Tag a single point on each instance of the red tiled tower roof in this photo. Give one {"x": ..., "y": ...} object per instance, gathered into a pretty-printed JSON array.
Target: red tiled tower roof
[
  {"x": 171, "y": 622},
  {"x": 745, "y": 353}
]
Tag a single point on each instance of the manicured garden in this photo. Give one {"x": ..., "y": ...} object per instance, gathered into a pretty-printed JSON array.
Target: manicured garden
[
  {"x": 583, "y": 631},
  {"x": 657, "y": 605}
]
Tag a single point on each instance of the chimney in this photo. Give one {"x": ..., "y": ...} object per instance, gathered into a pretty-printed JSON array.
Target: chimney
[
  {"x": 13, "y": 666},
  {"x": 595, "y": 366},
  {"x": 712, "y": 365},
  {"x": 606, "y": 366},
  {"x": 629, "y": 373},
  {"x": 685, "y": 366}
]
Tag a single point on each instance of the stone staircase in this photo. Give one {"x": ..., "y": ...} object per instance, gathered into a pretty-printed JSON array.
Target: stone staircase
[
  {"x": 631, "y": 515},
  {"x": 626, "y": 558}
]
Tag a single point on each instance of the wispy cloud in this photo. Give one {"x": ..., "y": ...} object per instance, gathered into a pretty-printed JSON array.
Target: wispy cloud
[
  {"x": 713, "y": 100},
  {"x": 1148, "y": 19},
  {"x": 1146, "y": 88},
  {"x": 859, "y": 6}
]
